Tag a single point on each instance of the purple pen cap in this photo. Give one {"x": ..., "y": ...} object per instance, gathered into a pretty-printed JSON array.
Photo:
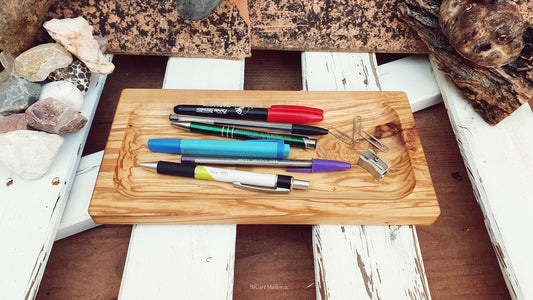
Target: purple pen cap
[{"x": 323, "y": 165}]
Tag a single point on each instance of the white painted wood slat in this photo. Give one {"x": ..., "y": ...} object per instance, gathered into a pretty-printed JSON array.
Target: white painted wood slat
[
  {"x": 361, "y": 262},
  {"x": 76, "y": 217},
  {"x": 31, "y": 210},
  {"x": 185, "y": 261},
  {"x": 500, "y": 163},
  {"x": 414, "y": 76}
]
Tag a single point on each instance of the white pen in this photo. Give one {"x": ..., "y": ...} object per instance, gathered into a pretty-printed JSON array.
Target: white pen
[{"x": 247, "y": 180}]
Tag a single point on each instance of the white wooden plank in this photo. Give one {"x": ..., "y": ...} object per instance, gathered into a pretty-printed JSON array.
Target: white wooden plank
[
  {"x": 500, "y": 164},
  {"x": 31, "y": 210},
  {"x": 185, "y": 261},
  {"x": 326, "y": 71},
  {"x": 414, "y": 76},
  {"x": 76, "y": 217},
  {"x": 361, "y": 262},
  {"x": 368, "y": 262}
]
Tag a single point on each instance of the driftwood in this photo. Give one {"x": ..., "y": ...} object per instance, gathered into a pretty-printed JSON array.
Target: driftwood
[{"x": 494, "y": 92}]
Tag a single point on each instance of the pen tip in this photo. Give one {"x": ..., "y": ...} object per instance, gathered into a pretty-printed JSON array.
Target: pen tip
[
  {"x": 149, "y": 165},
  {"x": 186, "y": 125}
]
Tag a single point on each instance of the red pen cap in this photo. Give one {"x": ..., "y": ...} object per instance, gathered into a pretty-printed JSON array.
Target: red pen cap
[{"x": 294, "y": 114}]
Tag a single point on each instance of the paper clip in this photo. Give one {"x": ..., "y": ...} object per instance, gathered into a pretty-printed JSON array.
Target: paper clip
[
  {"x": 373, "y": 140},
  {"x": 345, "y": 137},
  {"x": 358, "y": 128},
  {"x": 373, "y": 164}
]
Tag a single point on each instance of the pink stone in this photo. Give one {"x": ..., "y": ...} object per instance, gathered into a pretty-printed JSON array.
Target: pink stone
[
  {"x": 52, "y": 116},
  {"x": 12, "y": 122}
]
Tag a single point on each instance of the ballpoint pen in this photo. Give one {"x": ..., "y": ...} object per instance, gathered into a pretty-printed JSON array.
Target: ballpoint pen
[
  {"x": 240, "y": 133},
  {"x": 276, "y": 113},
  {"x": 251, "y": 148},
  {"x": 289, "y": 127},
  {"x": 308, "y": 166},
  {"x": 247, "y": 180}
]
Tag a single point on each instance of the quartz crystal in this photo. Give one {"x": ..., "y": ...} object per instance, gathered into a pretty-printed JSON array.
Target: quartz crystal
[
  {"x": 77, "y": 36},
  {"x": 29, "y": 153}
]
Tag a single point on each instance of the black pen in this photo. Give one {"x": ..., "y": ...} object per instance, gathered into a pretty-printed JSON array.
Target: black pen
[
  {"x": 275, "y": 113},
  {"x": 289, "y": 127},
  {"x": 244, "y": 134}
]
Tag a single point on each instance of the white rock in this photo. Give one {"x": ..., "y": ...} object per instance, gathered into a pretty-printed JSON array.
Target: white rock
[
  {"x": 64, "y": 92},
  {"x": 29, "y": 153},
  {"x": 77, "y": 36}
]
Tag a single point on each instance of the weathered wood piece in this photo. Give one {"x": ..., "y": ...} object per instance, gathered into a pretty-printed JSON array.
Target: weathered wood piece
[
  {"x": 20, "y": 23},
  {"x": 414, "y": 76},
  {"x": 31, "y": 210},
  {"x": 196, "y": 261},
  {"x": 494, "y": 92},
  {"x": 361, "y": 262},
  {"x": 500, "y": 167},
  {"x": 155, "y": 28},
  {"x": 76, "y": 216}
]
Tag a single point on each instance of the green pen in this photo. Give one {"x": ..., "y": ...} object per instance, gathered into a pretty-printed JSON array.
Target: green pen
[{"x": 245, "y": 134}]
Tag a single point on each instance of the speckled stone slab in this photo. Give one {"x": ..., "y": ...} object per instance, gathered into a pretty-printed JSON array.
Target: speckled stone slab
[
  {"x": 152, "y": 27},
  {"x": 332, "y": 25}
]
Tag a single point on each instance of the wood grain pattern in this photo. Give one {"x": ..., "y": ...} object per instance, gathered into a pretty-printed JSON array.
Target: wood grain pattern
[
  {"x": 126, "y": 193},
  {"x": 208, "y": 256}
]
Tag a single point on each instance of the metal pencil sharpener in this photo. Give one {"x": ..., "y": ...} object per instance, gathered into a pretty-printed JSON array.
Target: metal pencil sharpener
[{"x": 373, "y": 164}]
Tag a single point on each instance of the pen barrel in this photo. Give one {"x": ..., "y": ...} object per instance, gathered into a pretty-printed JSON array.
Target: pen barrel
[
  {"x": 231, "y": 112},
  {"x": 175, "y": 169},
  {"x": 239, "y": 133},
  {"x": 243, "y": 161},
  {"x": 228, "y": 175}
]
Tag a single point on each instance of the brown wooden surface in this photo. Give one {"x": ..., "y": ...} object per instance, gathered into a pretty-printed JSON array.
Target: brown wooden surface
[
  {"x": 128, "y": 194},
  {"x": 458, "y": 257}
]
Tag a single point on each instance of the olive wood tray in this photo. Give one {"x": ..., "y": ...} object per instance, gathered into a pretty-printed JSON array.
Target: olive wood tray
[{"x": 128, "y": 194}]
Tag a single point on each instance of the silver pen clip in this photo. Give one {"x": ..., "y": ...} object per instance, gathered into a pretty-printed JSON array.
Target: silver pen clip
[
  {"x": 277, "y": 190},
  {"x": 373, "y": 164}
]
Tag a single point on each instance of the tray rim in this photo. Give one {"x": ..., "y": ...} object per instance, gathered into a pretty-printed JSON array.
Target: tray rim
[{"x": 397, "y": 100}]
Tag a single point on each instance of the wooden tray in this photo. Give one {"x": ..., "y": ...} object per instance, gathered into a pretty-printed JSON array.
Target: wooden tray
[{"x": 128, "y": 194}]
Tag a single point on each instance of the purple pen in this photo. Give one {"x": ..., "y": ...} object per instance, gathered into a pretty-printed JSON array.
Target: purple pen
[{"x": 309, "y": 166}]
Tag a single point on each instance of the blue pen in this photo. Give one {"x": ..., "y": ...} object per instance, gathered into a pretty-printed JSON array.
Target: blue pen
[{"x": 252, "y": 148}]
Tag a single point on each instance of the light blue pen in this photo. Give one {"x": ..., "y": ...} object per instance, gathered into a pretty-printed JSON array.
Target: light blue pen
[{"x": 252, "y": 148}]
